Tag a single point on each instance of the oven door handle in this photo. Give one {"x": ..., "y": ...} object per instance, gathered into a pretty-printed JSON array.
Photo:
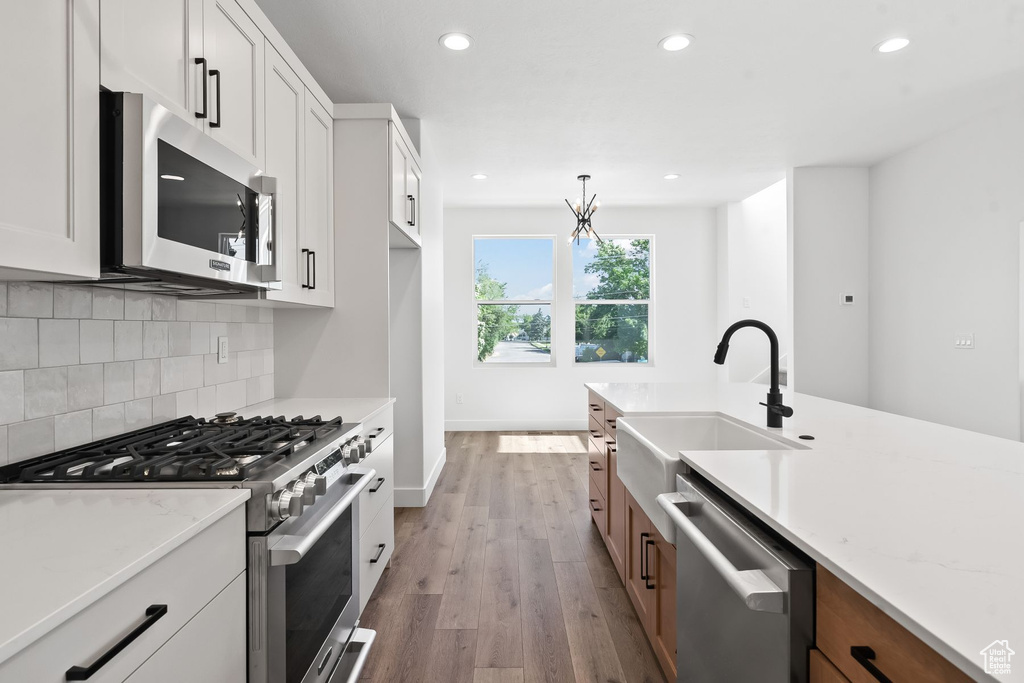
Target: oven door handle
[{"x": 290, "y": 548}]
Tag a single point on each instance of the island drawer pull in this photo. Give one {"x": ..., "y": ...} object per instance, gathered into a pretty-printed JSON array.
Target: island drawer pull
[
  {"x": 83, "y": 673},
  {"x": 380, "y": 482},
  {"x": 594, "y": 507},
  {"x": 864, "y": 656},
  {"x": 593, "y": 466},
  {"x": 596, "y": 434},
  {"x": 595, "y": 407},
  {"x": 643, "y": 561},
  {"x": 647, "y": 559}
]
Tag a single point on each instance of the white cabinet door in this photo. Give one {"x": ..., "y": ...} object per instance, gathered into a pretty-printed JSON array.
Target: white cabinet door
[
  {"x": 399, "y": 213},
  {"x": 49, "y": 134},
  {"x": 317, "y": 227},
  {"x": 234, "y": 46},
  {"x": 285, "y": 107},
  {"x": 151, "y": 47},
  {"x": 208, "y": 649}
]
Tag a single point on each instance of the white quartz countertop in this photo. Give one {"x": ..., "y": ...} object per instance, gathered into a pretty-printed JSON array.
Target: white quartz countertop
[
  {"x": 922, "y": 519},
  {"x": 350, "y": 409},
  {"x": 65, "y": 549}
]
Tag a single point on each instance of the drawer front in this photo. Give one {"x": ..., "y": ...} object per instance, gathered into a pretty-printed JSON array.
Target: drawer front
[
  {"x": 597, "y": 431},
  {"x": 598, "y": 466},
  {"x": 824, "y": 671},
  {"x": 380, "y": 532},
  {"x": 209, "y": 649},
  {"x": 373, "y": 497},
  {"x": 379, "y": 428},
  {"x": 598, "y": 507},
  {"x": 845, "y": 620},
  {"x": 595, "y": 406},
  {"x": 610, "y": 417},
  {"x": 185, "y": 581}
]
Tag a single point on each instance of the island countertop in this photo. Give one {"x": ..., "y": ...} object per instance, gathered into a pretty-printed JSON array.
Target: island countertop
[
  {"x": 921, "y": 519},
  {"x": 64, "y": 549}
]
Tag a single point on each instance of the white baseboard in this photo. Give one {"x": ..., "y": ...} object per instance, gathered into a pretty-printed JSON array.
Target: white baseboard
[
  {"x": 418, "y": 497},
  {"x": 515, "y": 425}
]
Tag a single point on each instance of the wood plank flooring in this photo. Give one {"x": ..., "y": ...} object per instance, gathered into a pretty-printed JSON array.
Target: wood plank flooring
[{"x": 503, "y": 577}]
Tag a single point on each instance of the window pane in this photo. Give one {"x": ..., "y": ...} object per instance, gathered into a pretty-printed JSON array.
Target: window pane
[
  {"x": 513, "y": 334},
  {"x": 513, "y": 268},
  {"x": 611, "y": 333},
  {"x": 614, "y": 269}
]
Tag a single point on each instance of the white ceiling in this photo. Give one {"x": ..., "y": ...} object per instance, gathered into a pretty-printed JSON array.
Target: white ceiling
[{"x": 554, "y": 88}]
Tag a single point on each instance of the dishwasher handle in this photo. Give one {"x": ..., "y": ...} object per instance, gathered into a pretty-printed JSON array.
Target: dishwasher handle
[{"x": 758, "y": 592}]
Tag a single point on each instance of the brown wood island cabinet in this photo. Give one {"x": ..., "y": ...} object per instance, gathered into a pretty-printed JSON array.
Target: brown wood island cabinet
[{"x": 645, "y": 561}]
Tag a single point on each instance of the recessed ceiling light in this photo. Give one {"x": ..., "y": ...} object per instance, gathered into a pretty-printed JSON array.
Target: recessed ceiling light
[
  {"x": 168, "y": 176},
  {"x": 675, "y": 43},
  {"x": 456, "y": 41},
  {"x": 892, "y": 45},
  {"x": 479, "y": 176},
  {"x": 671, "y": 176}
]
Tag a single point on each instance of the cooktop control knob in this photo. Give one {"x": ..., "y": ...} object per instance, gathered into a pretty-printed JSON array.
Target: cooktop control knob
[
  {"x": 360, "y": 442},
  {"x": 348, "y": 455},
  {"x": 280, "y": 505},
  {"x": 316, "y": 483},
  {"x": 295, "y": 505},
  {"x": 303, "y": 491}
]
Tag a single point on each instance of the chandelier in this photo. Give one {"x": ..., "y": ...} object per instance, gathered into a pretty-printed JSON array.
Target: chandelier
[{"x": 583, "y": 210}]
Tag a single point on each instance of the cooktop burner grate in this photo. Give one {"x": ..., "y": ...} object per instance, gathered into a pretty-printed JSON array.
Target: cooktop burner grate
[{"x": 186, "y": 449}]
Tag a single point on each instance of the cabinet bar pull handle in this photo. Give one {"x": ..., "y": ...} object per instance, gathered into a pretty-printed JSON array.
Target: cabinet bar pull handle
[
  {"x": 216, "y": 73},
  {"x": 594, "y": 406},
  {"x": 647, "y": 579},
  {"x": 412, "y": 209},
  {"x": 305, "y": 285},
  {"x": 202, "y": 114},
  {"x": 596, "y": 434},
  {"x": 380, "y": 551},
  {"x": 313, "y": 283},
  {"x": 864, "y": 656},
  {"x": 643, "y": 560},
  {"x": 593, "y": 466},
  {"x": 594, "y": 507},
  {"x": 380, "y": 482},
  {"x": 80, "y": 673}
]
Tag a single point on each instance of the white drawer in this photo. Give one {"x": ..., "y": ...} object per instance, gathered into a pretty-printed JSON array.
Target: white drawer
[
  {"x": 185, "y": 581},
  {"x": 382, "y": 488},
  {"x": 209, "y": 649},
  {"x": 380, "y": 532}
]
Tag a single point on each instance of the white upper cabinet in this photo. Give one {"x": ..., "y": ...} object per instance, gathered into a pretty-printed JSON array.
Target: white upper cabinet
[
  {"x": 152, "y": 47},
  {"x": 316, "y": 229},
  {"x": 405, "y": 187},
  {"x": 49, "y": 134},
  {"x": 233, "y": 47}
]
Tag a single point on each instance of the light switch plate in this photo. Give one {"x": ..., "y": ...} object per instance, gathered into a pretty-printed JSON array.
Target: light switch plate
[{"x": 222, "y": 349}]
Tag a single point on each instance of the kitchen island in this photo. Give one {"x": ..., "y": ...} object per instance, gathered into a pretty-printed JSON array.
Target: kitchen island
[{"x": 918, "y": 518}]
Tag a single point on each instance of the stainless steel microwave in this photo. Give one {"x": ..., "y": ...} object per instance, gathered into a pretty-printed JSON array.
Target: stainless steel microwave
[{"x": 179, "y": 212}]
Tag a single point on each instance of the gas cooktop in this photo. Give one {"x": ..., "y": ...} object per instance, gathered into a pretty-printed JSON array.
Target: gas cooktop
[{"x": 225, "y": 448}]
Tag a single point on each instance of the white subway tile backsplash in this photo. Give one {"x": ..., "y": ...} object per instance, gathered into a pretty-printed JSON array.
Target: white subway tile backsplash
[
  {"x": 266, "y": 387},
  {"x": 127, "y": 339},
  {"x": 217, "y": 330},
  {"x": 29, "y": 300},
  {"x": 252, "y": 314},
  {"x": 231, "y": 396},
  {"x": 181, "y": 372},
  {"x": 19, "y": 343},
  {"x": 118, "y": 382},
  {"x": 244, "y": 361},
  {"x": 97, "y": 340},
  {"x": 266, "y": 315},
  {"x": 179, "y": 339},
  {"x": 147, "y": 378},
  {"x": 46, "y": 392},
  {"x": 164, "y": 407},
  {"x": 138, "y": 414},
  {"x": 12, "y": 396},
  {"x": 186, "y": 403},
  {"x": 72, "y": 429},
  {"x": 107, "y": 304},
  {"x": 138, "y": 306},
  {"x": 29, "y": 439},
  {"x": 224, "y": 313},
  {"x": 186, "y": 310},
  {"x": 218, "y": 373},
  {"x": 206, "y": 312},
  {"x": 164, "y": 307},
  {"x": 252, "y": 390},
  {"x": 72, "y": 302},
  {"x": 207, "y": 397},
  {"x": 58, "y": 343},
  {"x": 200, "y": 333},
  {"x": 154, "y": 339},
  {"x": 85, "y": 386},
  {"x": 108, "y": 421}
]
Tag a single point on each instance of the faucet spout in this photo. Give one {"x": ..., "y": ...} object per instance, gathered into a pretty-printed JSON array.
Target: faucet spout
[{"x": 776, "y": 410}]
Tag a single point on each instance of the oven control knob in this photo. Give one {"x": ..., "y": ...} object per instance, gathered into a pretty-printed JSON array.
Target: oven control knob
[
  {"x": 295, "y": 504},
  {"x": 303, "y": 492},
  {"x": 360, "y": 442},
  {"x": 280, "y": 505},
  {"x": 316, "y": 483},
  {"x": 348, "y": 456}
]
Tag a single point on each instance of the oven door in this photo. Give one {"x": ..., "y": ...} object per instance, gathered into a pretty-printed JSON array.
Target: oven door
[
  {"x": 311, "y": 589},
  {"x": 189, "y": 205}
]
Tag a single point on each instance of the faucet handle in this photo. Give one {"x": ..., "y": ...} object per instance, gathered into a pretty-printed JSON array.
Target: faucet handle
[{"x": 779, "y": 409}]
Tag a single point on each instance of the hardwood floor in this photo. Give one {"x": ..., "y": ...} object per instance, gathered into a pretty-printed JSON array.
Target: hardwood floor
[{"x": 503, "y": 577}]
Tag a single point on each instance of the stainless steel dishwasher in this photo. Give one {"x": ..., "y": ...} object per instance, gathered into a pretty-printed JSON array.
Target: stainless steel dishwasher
[{"x": 744, "y": 603}]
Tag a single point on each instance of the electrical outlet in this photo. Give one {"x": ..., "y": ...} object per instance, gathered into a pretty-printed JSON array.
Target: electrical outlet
[
  {"x": 964, "y": 341},
  {"x": 458, "y": 398},
  {"x": 846, "y": 299},
  {"x": 222, "y": 349}
]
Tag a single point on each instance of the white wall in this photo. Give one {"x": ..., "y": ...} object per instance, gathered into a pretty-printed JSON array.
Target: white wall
[
  {"x": 828, "y": 224},
  {"x": 944, "y": 260},
  {"x": 684, "y": 328},
  {"x": 752, "y": 277}
]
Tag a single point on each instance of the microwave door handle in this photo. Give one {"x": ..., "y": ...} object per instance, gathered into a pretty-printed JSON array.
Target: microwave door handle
[
  {"x": 268, "y": 248},
  {"x": 758, "y": 592},
  {"x": 288, "y": 549}
]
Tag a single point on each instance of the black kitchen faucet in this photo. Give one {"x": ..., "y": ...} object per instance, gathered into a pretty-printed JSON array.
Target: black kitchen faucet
[{"x": 776, "y": 410}]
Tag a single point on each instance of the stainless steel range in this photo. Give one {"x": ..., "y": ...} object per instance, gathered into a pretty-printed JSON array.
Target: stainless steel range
[{"x": 304, "y": 474}]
